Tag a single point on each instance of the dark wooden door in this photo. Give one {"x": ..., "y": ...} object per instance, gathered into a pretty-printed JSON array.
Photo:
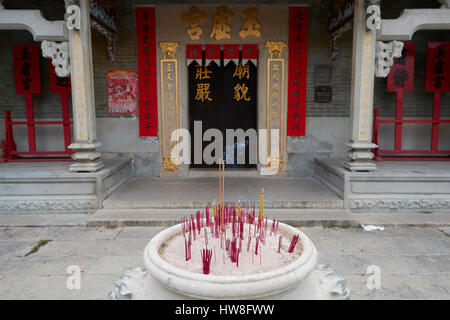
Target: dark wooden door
[{"x": 223, "y": 97}]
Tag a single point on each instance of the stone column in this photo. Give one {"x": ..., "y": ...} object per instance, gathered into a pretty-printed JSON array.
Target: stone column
[
  {"x": 361, "y": 101},
  {"x": 83, "y": 103}
]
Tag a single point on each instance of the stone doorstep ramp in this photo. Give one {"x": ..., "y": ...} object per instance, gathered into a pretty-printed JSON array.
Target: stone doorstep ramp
[
  {"x": 340, "y": 218},
  {"x": 167, "y": 217},
  {"x": 172, "y": 193}
]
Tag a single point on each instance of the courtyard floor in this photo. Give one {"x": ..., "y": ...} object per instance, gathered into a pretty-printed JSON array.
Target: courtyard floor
[{"x": 414, "y": 261}]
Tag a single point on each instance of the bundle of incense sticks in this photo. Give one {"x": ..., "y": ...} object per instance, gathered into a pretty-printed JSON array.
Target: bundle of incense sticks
[
  {"x": 272, "y": 229},
  {"x": 293, "y": 243},
  {"x": 230, "y": 218},
  {"x": 187, "y": 248},
  {"x": 256, "y": 246},
  {"x": 206, "y": 260},
  {"x": 233, "y": 251}
]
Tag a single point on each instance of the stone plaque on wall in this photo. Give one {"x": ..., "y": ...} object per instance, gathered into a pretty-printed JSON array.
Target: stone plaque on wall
[{"x": 323, "y": 94}]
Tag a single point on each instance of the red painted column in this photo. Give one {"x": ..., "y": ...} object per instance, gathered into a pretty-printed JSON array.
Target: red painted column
[
  {"x": 66, "y": 120},
  {"x": 30, "y": 124},
  {"x": 436, "y": 117},
  {"x": 398, "y": 117}
]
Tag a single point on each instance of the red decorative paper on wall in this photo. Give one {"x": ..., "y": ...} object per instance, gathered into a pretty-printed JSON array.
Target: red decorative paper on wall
[
  {"x": 146, "y": 47},
  {"x": 298, "y": 58},
  {"x": 121, "y": 90},
  {"x": 212, "y": 53},
  {"x": 438, "y": 66},
  {"x": 194, "y": 52},
  {"x": 58, "y": 85},
  {"x": 230, "y": 53},
  {"x": 249, "y": 52},
  {"x": 27, "y": 74},
  {"x": 401, "y": 76}
]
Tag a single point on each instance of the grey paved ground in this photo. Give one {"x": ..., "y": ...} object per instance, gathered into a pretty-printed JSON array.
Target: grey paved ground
[{"x": 414, "y": 261}]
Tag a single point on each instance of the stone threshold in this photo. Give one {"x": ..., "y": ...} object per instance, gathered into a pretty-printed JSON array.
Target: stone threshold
[{"x": 344, "y": 219}]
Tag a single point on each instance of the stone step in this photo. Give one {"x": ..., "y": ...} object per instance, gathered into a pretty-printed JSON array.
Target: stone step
[
  {"x": 169, "y": 217},
  {"x": 172, "y": 193},
  {"x": 155, "y": 204},
  {"x": 111, "y": 218}
]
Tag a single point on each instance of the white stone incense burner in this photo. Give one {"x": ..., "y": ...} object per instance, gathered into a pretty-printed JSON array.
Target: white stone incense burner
[{"x": 300, "y": 279}]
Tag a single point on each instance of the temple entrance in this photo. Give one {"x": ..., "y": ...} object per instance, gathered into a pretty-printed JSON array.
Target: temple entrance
[{"x": 223, "y": 96}]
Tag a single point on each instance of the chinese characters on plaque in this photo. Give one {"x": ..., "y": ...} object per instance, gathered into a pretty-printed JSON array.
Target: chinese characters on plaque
[
  {"x": 26, "y": 69},
  {"x": 81, "y": 130},
  {"x": 206, "y": 75},
  {"x": 146, "y": 48},
  {"x": 192, "y": 19},
  {"x": 203, "y": 89},
  {"x": 221, "y": 28},
  {"x": 169, "y": 103},
  {"x": 401, "y": 75},
  {"x": 298, "y": 54},
  {"x": 222, "y": 92},
  {"x": 275, "y": 94},
  {"x": 366, "y": 92},
  {"x": 438, "y": 66},
  {"x": 241, "y": 89}
]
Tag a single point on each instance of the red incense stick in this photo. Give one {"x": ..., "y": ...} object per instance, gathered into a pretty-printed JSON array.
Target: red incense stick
[
  {"x": 293, "y": 243},
  {"x": 206, "y": 260}
]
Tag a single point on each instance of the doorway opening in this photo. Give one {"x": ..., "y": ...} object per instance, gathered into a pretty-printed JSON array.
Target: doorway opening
[{"x": 224, "y": 96}]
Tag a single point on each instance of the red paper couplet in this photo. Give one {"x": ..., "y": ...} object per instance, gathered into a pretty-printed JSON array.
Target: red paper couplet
[
  {"x": 212, "y": 53},
  {"x": 401, "y": 76},
  {"x": 57, "y": 84},
  {"x": 230, "y": 53},
  {"x": 298, "y": 58},
  {"x": 438, "y": 67},
  {"x": 249, "y": 52},
  {"x": 146, "y": 47},
  {"x": 26, "y": 69},
  {"x": 194, "y": 53}
]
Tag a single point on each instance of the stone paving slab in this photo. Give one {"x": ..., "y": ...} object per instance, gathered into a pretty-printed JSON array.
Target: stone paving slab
[
  {"x": 414, "y": 261},
  {"x": 43, "y": 220}
]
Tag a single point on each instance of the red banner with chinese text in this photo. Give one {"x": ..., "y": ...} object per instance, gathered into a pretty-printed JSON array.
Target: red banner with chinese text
[
  {"x": 438, "y": 67},
  {"x": 194, "y": 52},
  {"x": 401, "y": 75},
  {"x": 58, "y": 85},
  {"x": 298, "y": 58},
  {"x": 212, "y": 53},
  {"x": 27, "y": 74},
  {"x": 249, "y": 53},
  {"x": 146, "y": 47},
  {"x": 230, "y": 53}
]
